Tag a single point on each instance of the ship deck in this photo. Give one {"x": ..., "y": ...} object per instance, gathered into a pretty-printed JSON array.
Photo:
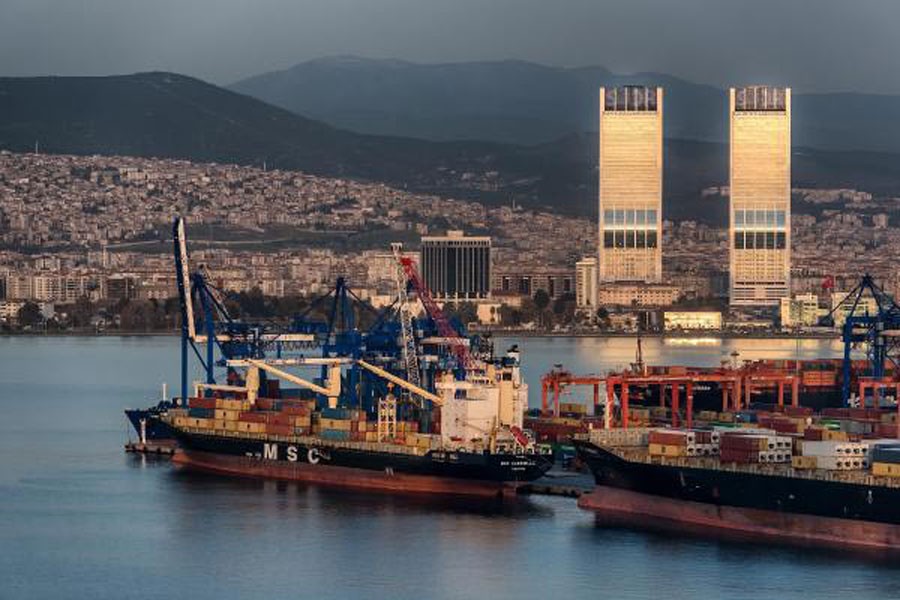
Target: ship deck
[
  {"x": 642, "y": 455},
  {"x": 311, "y": 440}
]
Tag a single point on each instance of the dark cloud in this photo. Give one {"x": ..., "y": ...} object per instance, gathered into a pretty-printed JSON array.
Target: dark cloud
[{"x": 821, "y": 45}]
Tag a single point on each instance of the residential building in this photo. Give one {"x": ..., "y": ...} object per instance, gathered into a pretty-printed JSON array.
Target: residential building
[
  {"x": 527, "y": 281},
  {"x": 586, "y": 284},
  {"x": 800, "y": 311},
  {"x": 637, "y": 294},
  {"x": 840, "y": 310}
]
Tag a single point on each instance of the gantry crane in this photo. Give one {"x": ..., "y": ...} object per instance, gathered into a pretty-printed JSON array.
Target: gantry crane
[{"x": 878, "y": 334}]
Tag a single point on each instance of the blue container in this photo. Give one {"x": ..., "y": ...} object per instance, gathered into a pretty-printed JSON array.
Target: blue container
[
  {"x": 202, "y": 413},
  {"x": 336, "y": 413},
  {"x": 745, "y": 416},
  {"x": 886, "y": 454},
  {"x": 334, "y": 434}
]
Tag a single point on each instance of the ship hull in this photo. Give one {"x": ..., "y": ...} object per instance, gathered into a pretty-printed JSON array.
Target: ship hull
[
  {"x": 737, "y": 504},
  {"x": 625, "y": 508},
  {"x": 445, "y": 473},
  {"x": 155, "y": 428}
]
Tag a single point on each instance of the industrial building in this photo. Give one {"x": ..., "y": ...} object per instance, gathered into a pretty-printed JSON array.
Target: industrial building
[
  {"x": 456, "y": 266},
  {"x": 760, "y": 190},
  {"x": 630, "y": 186}
]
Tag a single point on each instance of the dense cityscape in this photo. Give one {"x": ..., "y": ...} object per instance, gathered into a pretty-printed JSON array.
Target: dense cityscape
[
  {"x": 413, "y": 300},
  {"x": 96, "y": 230}
]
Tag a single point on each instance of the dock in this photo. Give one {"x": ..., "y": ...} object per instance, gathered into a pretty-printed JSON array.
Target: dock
[
  {"x": 157, "y": 447},
  {"x": 559, "y": 483}
]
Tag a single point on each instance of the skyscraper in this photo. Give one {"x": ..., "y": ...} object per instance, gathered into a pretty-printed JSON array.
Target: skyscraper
[
  {"x": 456, "y": 266},
  {"x": 631, "y": 172},
  {"x": 760, "y": 214}
]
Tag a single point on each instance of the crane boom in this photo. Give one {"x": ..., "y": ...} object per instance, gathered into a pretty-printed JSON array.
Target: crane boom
[
  {"x": 399, "y": 381},
  {"x": 410, "y": 351},
  {"x": 334, "y": 378},
  {"x": 434, "y": 311},
  {"x": 184, "y": 278}
]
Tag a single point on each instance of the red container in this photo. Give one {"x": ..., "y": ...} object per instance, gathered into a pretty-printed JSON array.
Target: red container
[
  {"x": 814, "y": 434},
  {"x": 202, "y": 403},
  {"x": 280, "y": 419},
  {"x": 745, "y": 443},
  {"x": 669, "y": 438},
  {"x": 886, "y": 430},
  {"x": 265, "y": 403},
  {"x": 836, "y": 412},
  {"x": 252, "y": 417},
  {"x": 739, "y": 456},
  {"x": 274, "y": 429},
  {"x": 297, "y": 410}
]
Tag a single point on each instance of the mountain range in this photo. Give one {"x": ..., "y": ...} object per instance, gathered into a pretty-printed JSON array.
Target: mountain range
[
  {"x": 174, "y": 116},
  {"x": 527, "y": 103}
]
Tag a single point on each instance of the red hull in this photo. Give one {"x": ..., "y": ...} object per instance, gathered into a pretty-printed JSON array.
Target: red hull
[
  {"x": 633, "y": 509},
  {"x": 341, "y": 476}
]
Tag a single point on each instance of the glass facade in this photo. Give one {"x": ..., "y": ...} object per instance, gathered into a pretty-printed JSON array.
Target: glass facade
[
  {"x": 760, "y": 184},
  {"x": 631, "y": 98},
  {"x": 456, "y": 267},
  {"x": 630, "y": 184}
]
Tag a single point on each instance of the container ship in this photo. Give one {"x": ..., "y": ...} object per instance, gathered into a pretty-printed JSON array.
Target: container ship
[
  {"x": 816, "y": 486},
  {"x": 408, "y": 404},
  {"x": 476, "y": 446}
]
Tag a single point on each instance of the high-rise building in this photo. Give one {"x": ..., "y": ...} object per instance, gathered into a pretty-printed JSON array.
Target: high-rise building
[
  {"x": 760, "y": 189},
  {"x": 586, "y": 284},
  {"x": 456, "y": 266},
  {"x": 631, "y": 176}
]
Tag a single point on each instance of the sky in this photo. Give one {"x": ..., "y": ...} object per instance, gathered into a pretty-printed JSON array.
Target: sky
[{"x": 812, "y": 45}]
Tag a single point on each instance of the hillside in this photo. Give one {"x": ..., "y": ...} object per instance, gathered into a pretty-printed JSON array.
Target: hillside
[
  {"x": 169, "y": 115},
  {"x": 172, "y": 116},
  {"x": 520, "y": 102}
]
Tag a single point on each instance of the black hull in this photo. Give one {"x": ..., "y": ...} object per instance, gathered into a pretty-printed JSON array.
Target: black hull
[
  {"x": 276, "y": 456},
  {"x": 739, "y": 489},
  {"x": 156, "y": 429}
]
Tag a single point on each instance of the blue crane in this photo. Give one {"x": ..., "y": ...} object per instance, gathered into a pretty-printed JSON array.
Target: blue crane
[{"x": 878, "y": 331}]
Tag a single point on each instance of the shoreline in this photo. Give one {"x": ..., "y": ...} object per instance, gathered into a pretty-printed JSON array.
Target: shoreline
[{"x": 723, "y": 335}]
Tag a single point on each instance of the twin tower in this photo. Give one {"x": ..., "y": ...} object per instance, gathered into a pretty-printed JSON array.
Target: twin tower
[{"x": 631, "y": 187}]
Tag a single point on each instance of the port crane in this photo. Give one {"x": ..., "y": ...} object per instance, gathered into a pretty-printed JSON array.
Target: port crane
[
  {"x": 448, "y": 334},
  {"x": 877, "y": 331}
]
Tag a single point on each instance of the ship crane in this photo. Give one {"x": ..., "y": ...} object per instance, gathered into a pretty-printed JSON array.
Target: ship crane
[
  {"x": 408, "y": 347},
  {"x": 458, "y": 343}
]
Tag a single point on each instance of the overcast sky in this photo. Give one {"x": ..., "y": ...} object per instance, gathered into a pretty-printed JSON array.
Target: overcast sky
[{"x": 814, "y": 45}]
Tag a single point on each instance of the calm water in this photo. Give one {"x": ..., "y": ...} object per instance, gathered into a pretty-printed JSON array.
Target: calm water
[{"x": 80, "y": 519}]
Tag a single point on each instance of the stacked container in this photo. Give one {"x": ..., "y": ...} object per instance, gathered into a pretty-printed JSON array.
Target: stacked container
[{"x": 834, "y": 455}]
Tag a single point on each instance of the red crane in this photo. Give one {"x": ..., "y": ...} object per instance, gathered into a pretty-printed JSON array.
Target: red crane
[{"x": 457, "y": 342}]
